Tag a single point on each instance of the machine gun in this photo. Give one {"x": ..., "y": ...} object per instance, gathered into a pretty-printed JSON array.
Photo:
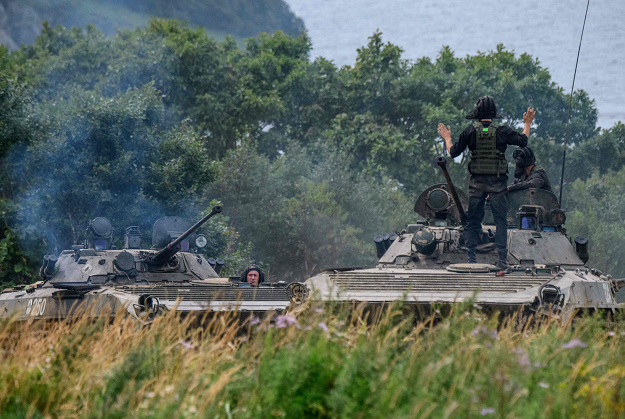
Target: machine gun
[
  {"x": 172, "y": 248},
  {"x": 442, "y": 163}
]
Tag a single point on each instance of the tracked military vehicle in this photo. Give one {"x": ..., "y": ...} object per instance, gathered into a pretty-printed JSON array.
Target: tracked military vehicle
[
  {"x": 425, "y": 264},
  {"x": 95, "y": 279}
]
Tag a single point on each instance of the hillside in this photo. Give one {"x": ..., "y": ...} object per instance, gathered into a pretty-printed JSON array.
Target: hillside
[{"x": 20, "y": 20}]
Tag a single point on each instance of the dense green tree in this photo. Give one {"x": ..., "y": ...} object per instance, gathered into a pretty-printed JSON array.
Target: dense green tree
[
  {"x": 310, "y": 160},
  {"x": 307, "y": 210},
  {"x": 597, "y": 212},
  {"x": 98, "y": 157}
]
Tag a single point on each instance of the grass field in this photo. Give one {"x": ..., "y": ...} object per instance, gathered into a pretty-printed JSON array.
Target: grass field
[{"x": 315, "y": 365}]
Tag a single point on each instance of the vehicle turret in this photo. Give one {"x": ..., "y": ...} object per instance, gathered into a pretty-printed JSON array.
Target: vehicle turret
[
  {"x": 426, "y": 263},
  {"x": 174, "y": 247}
]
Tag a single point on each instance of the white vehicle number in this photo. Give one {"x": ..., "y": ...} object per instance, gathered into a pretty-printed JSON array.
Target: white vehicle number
[{"x": 36, "y": 307}]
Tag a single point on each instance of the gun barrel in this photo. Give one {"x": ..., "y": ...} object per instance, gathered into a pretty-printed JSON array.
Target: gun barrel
[
  {"x": 442, "y": 163},
  {"x": 172, "y": 248}
]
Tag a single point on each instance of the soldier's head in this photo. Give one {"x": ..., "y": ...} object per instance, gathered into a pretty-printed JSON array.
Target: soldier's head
[
  {"x": 485, "y": 108},
  {"x": 253, "y": 275},
  {"x": 524, "y": 159}
]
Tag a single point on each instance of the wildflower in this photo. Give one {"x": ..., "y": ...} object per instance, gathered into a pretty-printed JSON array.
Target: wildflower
[
  {"x": 611, "y": 333},
  {"x": 487, "y": 411},
  {"x": 323, "y": 326},
  {"x": 283, "y": 321},
  {"x": 185, "y": 344},
  {"x": 477, "y": 330},
  {"x": 318, "y": 310},
  {"x": 574, "y": 343},
  {"x": 543, "y": 385},
  {"x": 48, "y": 359},
  {"x": 169, "y": 389},
  {"x": 524, "y": 360},
  {"x": 244, "y": 339},
  {"x": 254, "y": 320},
  {"x": 522, "y": 357},
  {"x": 538, "y": 364}
]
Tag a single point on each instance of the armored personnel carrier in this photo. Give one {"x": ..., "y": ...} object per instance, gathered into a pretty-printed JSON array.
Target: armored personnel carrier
[
  {"x": 425, "y": 264},
  {"x": 95, "y": 279}
]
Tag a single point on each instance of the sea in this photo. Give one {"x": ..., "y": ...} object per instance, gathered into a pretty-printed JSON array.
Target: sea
[{"x": 549, "y": 30}]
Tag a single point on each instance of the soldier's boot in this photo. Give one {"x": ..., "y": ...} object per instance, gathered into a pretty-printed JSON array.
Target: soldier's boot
[
  {"x": 502, "y": 263},
  {"x": 472, "y": 255}
]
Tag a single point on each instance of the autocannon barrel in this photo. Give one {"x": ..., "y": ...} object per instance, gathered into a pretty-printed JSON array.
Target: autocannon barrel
[
  {"x": 172, "y": 248},
  {"x": 442, "y": 163}
]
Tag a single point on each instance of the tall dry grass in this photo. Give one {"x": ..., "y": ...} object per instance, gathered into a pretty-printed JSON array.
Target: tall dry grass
[{"x": 324, "y": 363}]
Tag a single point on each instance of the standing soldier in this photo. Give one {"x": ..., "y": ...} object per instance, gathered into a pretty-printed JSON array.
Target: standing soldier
[{"x": 488, "y": 168}]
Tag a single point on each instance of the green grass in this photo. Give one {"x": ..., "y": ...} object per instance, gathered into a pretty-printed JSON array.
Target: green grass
[{"x": 466, "y": 366}]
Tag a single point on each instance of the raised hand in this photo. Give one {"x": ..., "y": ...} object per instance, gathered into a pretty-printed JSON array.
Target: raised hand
[
  {"x": 528, "y": 116},
  {"x": 445, "y": 133}
]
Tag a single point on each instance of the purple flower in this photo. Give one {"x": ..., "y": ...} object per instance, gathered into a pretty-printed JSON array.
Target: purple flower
[
  {"x": 487, "y": 411},
  {"x": 574, "y": 343},
  {"x": 522, "y": 357},
  {"x": 185, "y": 344},
  {"x": 323, "y": 326},
  {"x": 524, "y": 360},
  {"x": 254, "y": 320},
  {"x": 285, "y": 321},
  {"x": 478, "y": 330},
  {"x": 484, "y": 330},
  {"x": 318, "y": 310}
]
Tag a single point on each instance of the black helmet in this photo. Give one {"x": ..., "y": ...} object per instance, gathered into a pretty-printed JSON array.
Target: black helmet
[
  {"x": 524, "y": 157},
  {"x": 253, "y": 267},
  {"x": 485, "y": 108}
]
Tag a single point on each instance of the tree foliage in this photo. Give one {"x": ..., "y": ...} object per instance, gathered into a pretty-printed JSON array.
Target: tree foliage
[{"x": 310, "y": 160}]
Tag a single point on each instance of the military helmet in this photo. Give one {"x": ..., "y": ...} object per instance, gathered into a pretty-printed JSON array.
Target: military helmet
[
  {"x": 485, "y": 108},
  {"x": 253, "y": 267},
  {"x": 524, "y": 157}
]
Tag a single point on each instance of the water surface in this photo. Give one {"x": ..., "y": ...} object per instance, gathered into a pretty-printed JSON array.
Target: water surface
[{"x": 548, "y": 30}]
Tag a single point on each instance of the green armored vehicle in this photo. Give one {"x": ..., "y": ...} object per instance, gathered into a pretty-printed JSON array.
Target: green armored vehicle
[
  {"x": 95, "y": 279},
  {"x": 426, "y": 263}
]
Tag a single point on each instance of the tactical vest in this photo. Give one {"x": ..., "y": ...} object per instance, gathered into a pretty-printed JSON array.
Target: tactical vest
[{"x": 486, "y": 159}]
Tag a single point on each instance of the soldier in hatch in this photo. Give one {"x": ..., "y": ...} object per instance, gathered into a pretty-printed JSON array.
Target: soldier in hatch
[
  {"x": 526, "y": 173},
  {"x": 253, "y": 275},
  {"x": 488, "y": 142}
]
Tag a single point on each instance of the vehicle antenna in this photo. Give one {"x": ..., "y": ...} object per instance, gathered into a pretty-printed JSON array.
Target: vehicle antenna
[{"x": 568, "y": 116}]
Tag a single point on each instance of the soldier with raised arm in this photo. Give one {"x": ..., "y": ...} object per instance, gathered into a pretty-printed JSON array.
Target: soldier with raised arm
[{"x": 487, "y": 142}]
